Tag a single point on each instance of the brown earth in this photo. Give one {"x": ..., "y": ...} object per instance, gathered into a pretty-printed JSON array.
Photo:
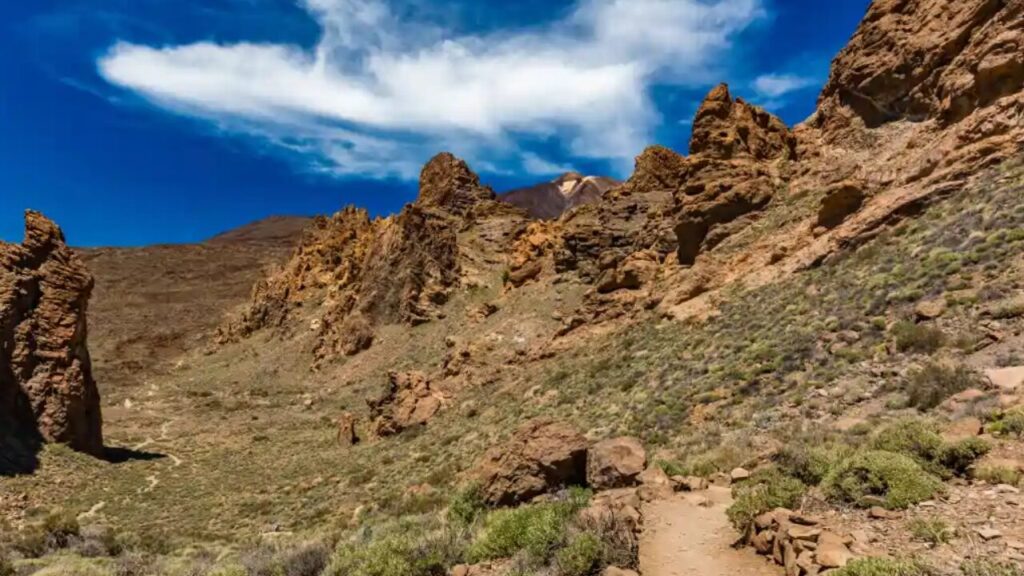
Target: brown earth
[{"x": 152, "y": 304}]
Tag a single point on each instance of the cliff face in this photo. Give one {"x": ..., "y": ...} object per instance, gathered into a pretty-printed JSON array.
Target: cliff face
[{"x": 46, "y": 382}]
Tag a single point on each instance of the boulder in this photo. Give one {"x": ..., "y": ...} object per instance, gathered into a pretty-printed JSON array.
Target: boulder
[
  {"x": 930, "y": 309},
  {"x": 541, "y": 457},
  {"x": 47, "y": 388},
  {"x": 615, "y": 463},
  {"x": 1008, "y": 380}
]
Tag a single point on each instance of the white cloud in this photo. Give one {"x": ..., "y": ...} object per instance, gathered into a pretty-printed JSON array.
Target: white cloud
[
  {"x": 377, "y": 96},
  {"x": 775, "y": 86},
  {"x": 534, "y": 164}
]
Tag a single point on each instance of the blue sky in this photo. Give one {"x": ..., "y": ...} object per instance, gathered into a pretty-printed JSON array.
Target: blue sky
[{"x": 142, "y": 121}]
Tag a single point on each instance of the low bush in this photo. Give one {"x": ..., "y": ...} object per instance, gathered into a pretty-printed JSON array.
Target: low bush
[
  {"x": 581, "y": 555},
  {"x": 931, "y": 530},
  {"x": 810, "y": 464},
  {"x": 536, "y": 531},
  {"x": 895, "y": 480},
  {"x": 958, "y": 457},
  {"x": 58, "y": 530},
  {"x": 912, "y": 437},
  {"x": 998, "y": 475},
  {"x": 921, "y": 441},
  {"x": 917, "y": 338},
  {"x": 278, "y": 560},
  {"x": 990, "y": 567},
  {"x": 466, "y": 506},
  {"x": 883, "y": 567},
  {"x": 934, "y": 383},
  {"x": 410, "y": 550},
  {"x": 766, "y": 490},
  {"x": 1009, "y": 424}
]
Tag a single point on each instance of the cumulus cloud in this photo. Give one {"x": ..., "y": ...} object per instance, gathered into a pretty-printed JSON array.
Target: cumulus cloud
[{"x": 378, "y": 95}]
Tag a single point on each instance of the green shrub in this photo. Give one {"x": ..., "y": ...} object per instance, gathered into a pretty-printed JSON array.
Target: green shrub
[
  {"x": 466, "y": 506},
  {"x": 810, "y": 464},
  {"x": 1010, "y": 424},
  {"x": 998, "y": 475},
  {"x": 958, "y": 457},
  {"x": 896, "y": 479},
  {"x": 882, "y": 567},
  {"x": 409, "y": 551},
  {"x": 533, "y": 530},
  {"x": 912, "y": 437},
  {"x": 931, "y": 530},
  {"x": 934, "y": 383},
  {"x": 917, "y": 338},
  {"x": 766, "y": 490},
  {"x": 920, "y": 440},
  {"x": 581, "y": 555},
  {"x": 990, "y": 567}
]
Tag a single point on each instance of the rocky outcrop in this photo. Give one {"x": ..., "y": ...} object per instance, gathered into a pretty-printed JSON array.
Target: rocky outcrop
[
  {"x": 409, "y": 400},
  {"x": 46, "y": 382},
  {"x": 923, "y": 59},
  {"x": 356, "y": 273},
  {"x": 541, "y": 457},
  {"x": 731, "y": 173}
]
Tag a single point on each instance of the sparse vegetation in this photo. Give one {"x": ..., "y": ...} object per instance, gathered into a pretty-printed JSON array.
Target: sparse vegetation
[
  {"x": 994, "y": 474},
  {"x": 883, "y": 567},
  {"x": 917, "y": 338},
  {"x": 990, "y": 567},
  {"x": 934, "y": 531},
  {"x": 1009, "y": 424},
  {"x": 934, "y": 383},
  {"x": 764, "y": 491}
]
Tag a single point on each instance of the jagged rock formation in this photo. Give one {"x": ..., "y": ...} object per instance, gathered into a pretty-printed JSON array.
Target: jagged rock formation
[
  {"x": 46, "y": 382},
  {"x": 549, "y": 200},
  {"x": 359, "y": 273},
  {"x": 730, "y": 173}
]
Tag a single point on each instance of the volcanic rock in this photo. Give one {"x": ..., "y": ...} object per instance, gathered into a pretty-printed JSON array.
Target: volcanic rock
[
  {"x": 541, "y": 457},
  {"x": 46, "y": 381},
  {"x": 409, "y": 400},
  {"x": 615, "y": 463}
]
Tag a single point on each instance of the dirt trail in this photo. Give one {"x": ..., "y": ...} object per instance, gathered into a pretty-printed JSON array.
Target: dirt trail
[{"x": 689, "y": 535}]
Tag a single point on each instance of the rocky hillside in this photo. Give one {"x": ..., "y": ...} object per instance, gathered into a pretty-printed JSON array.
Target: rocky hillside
[
  {"x": 152, "y": 304},
  {"x": 805, "y": 339}
]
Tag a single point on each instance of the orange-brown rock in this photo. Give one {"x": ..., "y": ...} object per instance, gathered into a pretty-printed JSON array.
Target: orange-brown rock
[
  {"x": 409, "y": 400},
  {"x": 46, "y": 382},
  {"x": 356, "y": 273},
  {"x": 840, "y": 202},
  {"x": 727, "y": 128},
  {"x": 921, "y": 59},
  {"x": 541, "y": 457},
  {"x": 629, "y": 218},
  {"x": 732, "y": 173}
]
